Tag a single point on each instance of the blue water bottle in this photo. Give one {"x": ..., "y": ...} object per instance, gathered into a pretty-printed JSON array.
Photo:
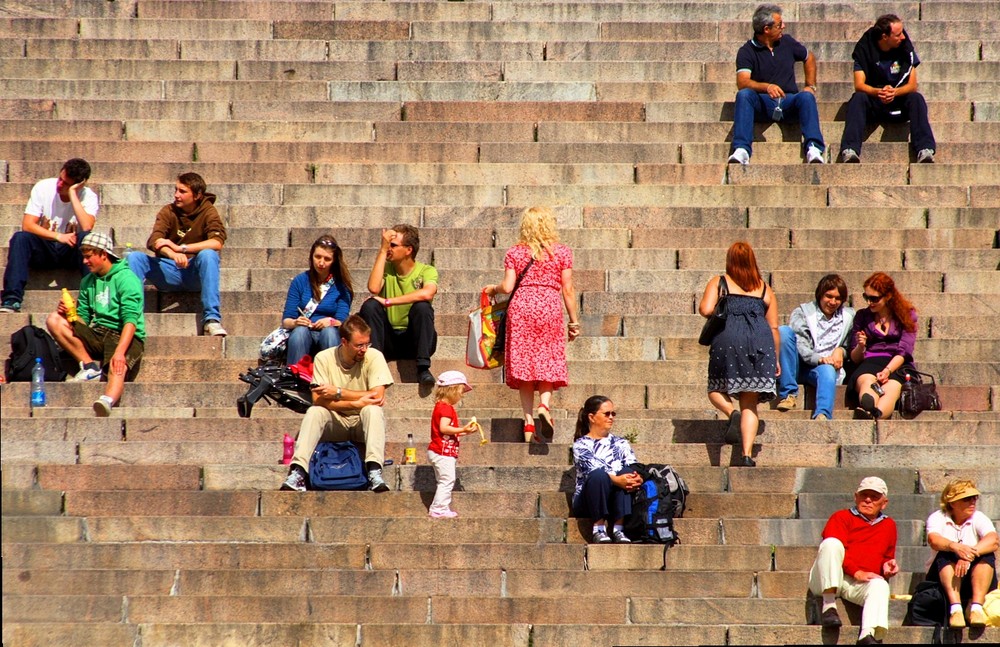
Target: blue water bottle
[{"x": 38, "y": 384}]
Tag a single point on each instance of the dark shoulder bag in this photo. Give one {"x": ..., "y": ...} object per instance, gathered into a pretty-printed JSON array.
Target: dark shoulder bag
[
  {"x": 919, "y": 393},
  {"x": 501, "y": 342},
  {"x": 717, "y": 322}
]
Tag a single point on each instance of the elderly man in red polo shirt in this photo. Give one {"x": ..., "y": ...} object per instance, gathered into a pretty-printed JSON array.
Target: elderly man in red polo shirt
[{"x": 856, "y": 559}]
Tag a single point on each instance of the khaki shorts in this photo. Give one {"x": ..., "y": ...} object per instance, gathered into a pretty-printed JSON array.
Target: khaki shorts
[{"x": 101, "y": 343}]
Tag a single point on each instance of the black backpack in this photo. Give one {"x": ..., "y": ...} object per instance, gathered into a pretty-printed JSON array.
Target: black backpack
[
  {"x": 662, "y": 497},
  {"x": 25, "y": 345}
]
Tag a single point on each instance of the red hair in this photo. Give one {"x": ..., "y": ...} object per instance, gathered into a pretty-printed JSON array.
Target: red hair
[
  {"x": 900, "y": 307},
  {"x": 741, "y": 266}
]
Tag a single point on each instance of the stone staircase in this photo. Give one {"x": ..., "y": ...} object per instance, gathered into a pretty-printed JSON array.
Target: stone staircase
[{"x": 163, "y": 524}]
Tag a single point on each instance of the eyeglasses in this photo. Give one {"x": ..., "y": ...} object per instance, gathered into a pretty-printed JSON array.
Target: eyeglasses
[
  {"x": 360, "y": 346},
  {"x": 608, "y": 414},
  {"x": 778, "y": 25},
  {"x": 872, "y": 298}
]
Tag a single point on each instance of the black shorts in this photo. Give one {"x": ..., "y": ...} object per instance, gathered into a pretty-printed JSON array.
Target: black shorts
[{"x": 101, "y": 343}]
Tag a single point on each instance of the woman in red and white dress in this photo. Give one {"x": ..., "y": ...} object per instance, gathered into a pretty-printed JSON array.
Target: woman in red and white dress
[{"x": 535, "y": 347}]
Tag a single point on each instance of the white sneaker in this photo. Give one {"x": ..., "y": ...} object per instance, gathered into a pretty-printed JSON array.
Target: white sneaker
[
  {"x": 86, "y": 374},
  {"x": 214, "y": 328},
  {"x": 849, "y": 156},
  {"x": 814, "y": 156},
  {"x": 739, "y": 156},
  {"x": 926, "y": 156},
  {"x": 102, "y": 406}
]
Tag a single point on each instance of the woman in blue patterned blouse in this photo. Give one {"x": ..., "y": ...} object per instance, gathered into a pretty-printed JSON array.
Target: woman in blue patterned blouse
[{"x": 604, "y": 480}]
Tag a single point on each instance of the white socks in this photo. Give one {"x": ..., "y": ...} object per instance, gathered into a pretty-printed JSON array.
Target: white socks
[{"x": 829, "y": 601}]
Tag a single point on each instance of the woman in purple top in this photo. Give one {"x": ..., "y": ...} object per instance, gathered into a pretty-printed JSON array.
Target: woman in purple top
[{"x": 882, "y": 340}]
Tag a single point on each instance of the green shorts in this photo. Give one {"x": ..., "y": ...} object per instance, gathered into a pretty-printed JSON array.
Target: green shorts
[{"x": 101, "y": 343}]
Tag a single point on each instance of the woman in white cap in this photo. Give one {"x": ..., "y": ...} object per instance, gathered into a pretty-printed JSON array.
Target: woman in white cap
[
  {"x": 445, "y": 430},
  {"x": 964, "y": 540}
]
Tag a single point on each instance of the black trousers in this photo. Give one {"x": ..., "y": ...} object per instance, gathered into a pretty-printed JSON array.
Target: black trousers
[
  {"x": 418, "y": 341},
  {"x": 862, "y": 109}
]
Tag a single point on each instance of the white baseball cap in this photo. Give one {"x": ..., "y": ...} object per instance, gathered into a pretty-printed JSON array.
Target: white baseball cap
[
  {"x": 875, "y": 484},
  {"x": 451, "y": 378}
]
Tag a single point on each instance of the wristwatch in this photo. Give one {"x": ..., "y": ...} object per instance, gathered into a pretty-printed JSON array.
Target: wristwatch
[
  {"x": 337, "y": 397},
  {"x": 184, "y": 249}
]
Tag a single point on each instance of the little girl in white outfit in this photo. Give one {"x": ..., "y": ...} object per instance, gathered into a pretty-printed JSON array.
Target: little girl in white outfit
[{"x": 443, "y": 448}]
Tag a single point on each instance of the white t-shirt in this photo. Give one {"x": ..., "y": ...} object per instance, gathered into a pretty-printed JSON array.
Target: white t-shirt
[
  {"x": 54, "y": 214},
  {"x": 969, "y": 533}
]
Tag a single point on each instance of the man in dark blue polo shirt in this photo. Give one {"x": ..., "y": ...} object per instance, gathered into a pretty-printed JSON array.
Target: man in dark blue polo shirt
[
  {"x": 765, "y": 76},
  {"x": 885, "y": 89}
]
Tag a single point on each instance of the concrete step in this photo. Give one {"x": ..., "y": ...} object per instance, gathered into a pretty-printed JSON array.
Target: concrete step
[{"x": 644, "y": 42}]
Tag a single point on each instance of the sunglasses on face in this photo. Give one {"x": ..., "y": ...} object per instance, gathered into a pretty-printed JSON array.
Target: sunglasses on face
[
  {"x": 395, "y": 245},
  {"x": 608, "y": 414},
  {"x": 871, "y": 298}
]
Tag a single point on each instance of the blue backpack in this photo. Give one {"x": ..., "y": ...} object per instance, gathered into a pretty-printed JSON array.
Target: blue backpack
[
  {"x": 337, "y": 466},
  {"x": 661, "y": 498}
]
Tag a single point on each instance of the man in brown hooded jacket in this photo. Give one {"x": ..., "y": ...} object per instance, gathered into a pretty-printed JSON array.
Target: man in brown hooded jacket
[{"x": 187, "y": 237}]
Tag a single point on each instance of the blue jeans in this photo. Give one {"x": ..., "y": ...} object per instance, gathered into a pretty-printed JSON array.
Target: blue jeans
[
  {"x": 303, "y": 341},
  {"x": 26, "y": 251},
  {"x": 201, "y": 275},
  {"x": 822, "y": 376},
  {"x": 758, "y": 106}
]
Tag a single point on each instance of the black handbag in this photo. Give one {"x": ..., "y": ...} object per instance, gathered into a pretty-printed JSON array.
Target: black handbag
[
  {"x": 919, "y": 393},
  {"x": 717, "y": 322}
]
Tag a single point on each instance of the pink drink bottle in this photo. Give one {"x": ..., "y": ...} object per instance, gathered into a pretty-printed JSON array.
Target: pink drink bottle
[{"x": 289, "y": 449}]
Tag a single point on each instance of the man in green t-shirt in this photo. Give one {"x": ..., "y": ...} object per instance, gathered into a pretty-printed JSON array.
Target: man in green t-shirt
[
  {"x": 400, "y": 314},
  {"x": 107, "y": 331}
]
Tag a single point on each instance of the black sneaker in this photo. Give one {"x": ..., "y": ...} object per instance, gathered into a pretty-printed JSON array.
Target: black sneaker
[
  {"x": 296, "y": 481},
  {"x": 424, "y": 376},
  {"x": 11, "y": 306}
]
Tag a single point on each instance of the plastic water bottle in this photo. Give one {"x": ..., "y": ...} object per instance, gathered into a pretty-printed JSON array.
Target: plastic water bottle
[
  {"x": 410, "y": 453},
  {"x": 289, "y": 449},
  {"x": 128, "y": 250},
  {"x": 38, "y": 384}
]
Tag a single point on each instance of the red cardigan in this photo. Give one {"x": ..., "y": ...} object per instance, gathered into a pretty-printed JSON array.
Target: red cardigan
[{"x": 868, "y": 544}]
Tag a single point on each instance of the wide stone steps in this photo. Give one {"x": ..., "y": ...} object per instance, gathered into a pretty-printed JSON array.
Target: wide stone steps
[{"x": 163, "y": 525}]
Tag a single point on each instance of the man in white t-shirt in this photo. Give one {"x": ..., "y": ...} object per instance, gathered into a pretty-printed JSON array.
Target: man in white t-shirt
[{"x": 59, "y": 214}]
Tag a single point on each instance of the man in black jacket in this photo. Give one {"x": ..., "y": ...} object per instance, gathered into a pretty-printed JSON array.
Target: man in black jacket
[{"x": 885, "y": 89}]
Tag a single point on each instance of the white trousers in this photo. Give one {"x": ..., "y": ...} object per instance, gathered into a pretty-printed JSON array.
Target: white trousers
[
  {"x": 828, "y": 573},
  {"x": 444, "y": 472},
  {"x": 321, "y": 424}
]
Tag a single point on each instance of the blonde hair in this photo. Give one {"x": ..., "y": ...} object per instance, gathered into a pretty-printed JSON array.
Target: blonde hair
[
  {"x": 538, "y": 231},
  {"x": 451, "y": 393},
  {"x": 952, "y": 488}
]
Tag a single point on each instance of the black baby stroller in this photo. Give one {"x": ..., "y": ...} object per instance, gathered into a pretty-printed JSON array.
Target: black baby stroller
[{"x": 286, "y": 385}]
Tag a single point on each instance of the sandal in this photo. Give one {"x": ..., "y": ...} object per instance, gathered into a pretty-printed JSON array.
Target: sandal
[
  {"x": 545, "y": 427},
  {"x": 866, "y": 408},
  {"x": 529, "y": 433}
]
